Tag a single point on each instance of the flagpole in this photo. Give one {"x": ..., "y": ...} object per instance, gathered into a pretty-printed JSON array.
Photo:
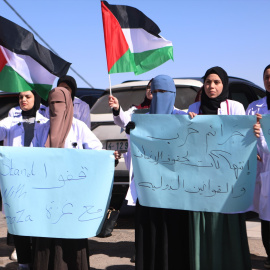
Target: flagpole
[{"x": 110, "y": 84}]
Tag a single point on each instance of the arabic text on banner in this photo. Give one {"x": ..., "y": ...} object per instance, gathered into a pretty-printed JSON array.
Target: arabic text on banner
[
  {"x": 207, "y": 163},
  {"x": 51, "y": 192}
]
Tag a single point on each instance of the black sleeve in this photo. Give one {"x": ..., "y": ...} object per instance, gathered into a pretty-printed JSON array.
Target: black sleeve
[{"x": 116, "y": 112}]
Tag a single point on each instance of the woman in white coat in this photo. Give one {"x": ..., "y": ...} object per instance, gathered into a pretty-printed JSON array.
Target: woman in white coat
[
  {"x": 12, "y": 129},
  {"x": 22, "y": 130},
  {"x": 64, "y": 131},
  {"x": 261, "y": 203},
  {"x": 218, "y": 241}
]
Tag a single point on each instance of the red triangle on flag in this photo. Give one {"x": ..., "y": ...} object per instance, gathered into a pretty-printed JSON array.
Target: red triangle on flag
[
  {"x": 115, "y": 41},
  {"x": 3, "y": 60}
]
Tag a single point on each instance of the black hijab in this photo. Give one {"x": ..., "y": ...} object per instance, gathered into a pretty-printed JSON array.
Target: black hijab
[
  {"x": 267, "y": 93},
  {"x": 70, "y": 81},
  {"x": 32, "y": 112},
  {"x": 211, "y": 105}
]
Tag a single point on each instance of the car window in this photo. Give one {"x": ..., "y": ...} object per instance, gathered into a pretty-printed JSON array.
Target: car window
[
  {"x": 7, "y": 103},
  {"x": 242, "y": 93},
  {"x": 242, "y": 98},
  {"x": 126, "y": 99},
  {"x": 259, "y": 93},
  {"x": 185, "y": 96},
  {"x": 89, "y": 100},
  {"x": 89, "y": 95}
]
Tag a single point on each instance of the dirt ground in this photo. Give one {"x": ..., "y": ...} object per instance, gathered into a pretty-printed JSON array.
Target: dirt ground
[{"x": 114, "y": 253}]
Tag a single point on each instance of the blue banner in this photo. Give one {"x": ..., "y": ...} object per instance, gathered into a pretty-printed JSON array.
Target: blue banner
[
  {"x": 207, "y": 163},
  {"x": 51, "y": 192}
]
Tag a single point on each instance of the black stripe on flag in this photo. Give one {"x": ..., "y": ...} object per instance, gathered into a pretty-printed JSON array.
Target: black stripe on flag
[
  {"x": 19, "y": 40},
  {"x": 130, "y": 17}
]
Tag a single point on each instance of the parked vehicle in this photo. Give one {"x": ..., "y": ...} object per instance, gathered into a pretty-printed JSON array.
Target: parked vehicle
[
  {"x": 133, "y": 92},
  {"x": 7, "y": 101},
  {"x": 89, "y": 95}
]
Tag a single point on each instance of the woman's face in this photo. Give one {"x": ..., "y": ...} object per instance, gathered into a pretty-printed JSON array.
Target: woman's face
[
  {"x": 148, "y": 92},
  {"x": 26, "y": 100},
  {"x": 57, "y": 108},
  {"x": 213, "y": 86},
  {"x": 266, "y": 80}
]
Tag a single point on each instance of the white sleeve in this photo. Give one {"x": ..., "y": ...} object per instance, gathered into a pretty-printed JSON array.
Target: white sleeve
[
  {"x": 89, "y": 139},
  {"x": 194, "y": 107},
  {"x": 11, "y": 112},
  {"x": 255, "y": 107},
  {"x": 249, "y": 110},
  {"x": 178, "y": 111},
  {"x": 4, "y": 128},
  {"x": 238, "y": 109},
  {"x": 123, "y": 118},
  {"x": 262, "y": 145}
]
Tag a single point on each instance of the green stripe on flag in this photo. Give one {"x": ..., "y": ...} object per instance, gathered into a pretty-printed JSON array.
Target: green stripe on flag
[
  {"x": 11, "y": 81},
  {"x": 151, "y": 59},
  {"x": 142, "y": 62},
  {"x": 124, "y": 64}
]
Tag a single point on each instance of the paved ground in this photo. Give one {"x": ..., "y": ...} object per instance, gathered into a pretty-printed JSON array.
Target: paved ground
[{"x": 113, "y": 253}]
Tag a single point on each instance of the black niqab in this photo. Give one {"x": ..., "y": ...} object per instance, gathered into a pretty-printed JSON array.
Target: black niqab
[
  {"x": 32, "y": 112},
  {"x": 211, "y": 105}
]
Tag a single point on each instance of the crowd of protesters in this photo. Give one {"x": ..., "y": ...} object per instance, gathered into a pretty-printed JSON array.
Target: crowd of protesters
[{"x": 165, "y": 239}]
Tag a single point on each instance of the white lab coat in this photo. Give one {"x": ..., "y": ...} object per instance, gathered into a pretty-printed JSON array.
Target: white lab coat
[
  {"x": 79, "y": 136},
  {"x": 122, "y": 120},
  {"x": 233, "y": 108},
  {"x": 82, "y": 111},
  {"x": 12, "y": 131},
  {"x": 17, "y": 111},
  {"x": 261, "y": 202}
]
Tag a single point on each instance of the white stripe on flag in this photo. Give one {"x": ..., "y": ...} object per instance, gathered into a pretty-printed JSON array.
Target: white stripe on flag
[
  {"x": 28, "y": 68},
  {"x": 140, "y": 40}
]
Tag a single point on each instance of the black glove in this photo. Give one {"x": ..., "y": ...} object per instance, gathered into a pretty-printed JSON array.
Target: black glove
[{"x": 130, "y": 125}]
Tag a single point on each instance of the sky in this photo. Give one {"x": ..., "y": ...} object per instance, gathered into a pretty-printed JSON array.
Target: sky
[{"x": 233, "y": 34}]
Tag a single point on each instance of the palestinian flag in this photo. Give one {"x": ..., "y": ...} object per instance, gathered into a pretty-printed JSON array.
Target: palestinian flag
[
  {"x": 132, "y": 40},
  {"x": 24, "y": 63}
]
